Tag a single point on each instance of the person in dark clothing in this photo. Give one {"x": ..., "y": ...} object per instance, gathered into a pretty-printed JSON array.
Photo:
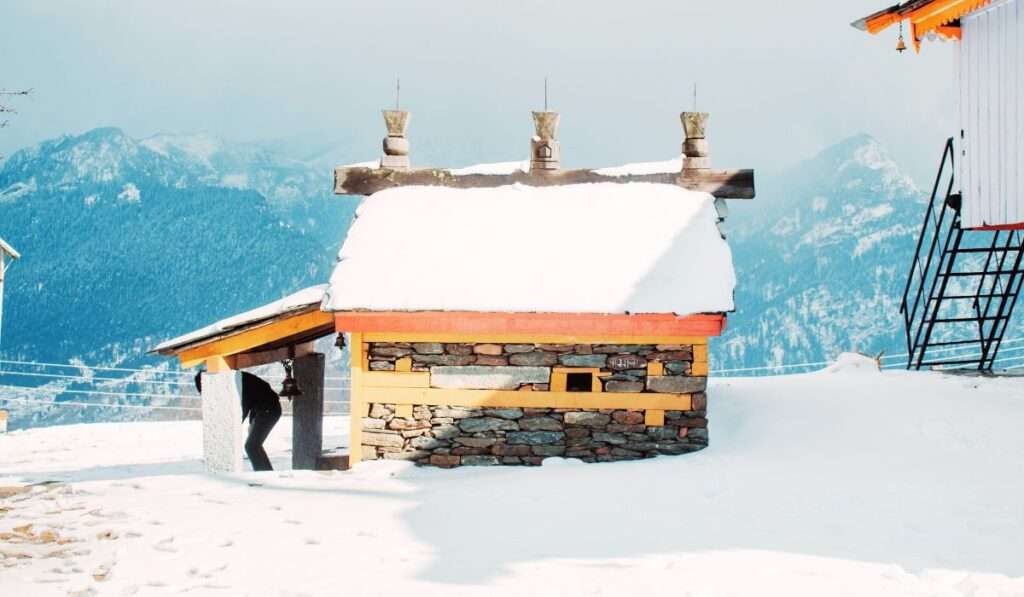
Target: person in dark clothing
[{"x": 261, "y": 404}]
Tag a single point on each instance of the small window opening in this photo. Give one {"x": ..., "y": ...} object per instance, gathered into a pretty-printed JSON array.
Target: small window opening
[{"x": 579, "y": 382}]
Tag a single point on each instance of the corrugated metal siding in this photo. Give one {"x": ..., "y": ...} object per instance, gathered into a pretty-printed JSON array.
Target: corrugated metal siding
[{"x": 990, "y": 73}]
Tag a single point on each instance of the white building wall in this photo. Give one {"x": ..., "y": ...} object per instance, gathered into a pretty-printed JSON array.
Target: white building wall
[{"x": 990, "y": 70}]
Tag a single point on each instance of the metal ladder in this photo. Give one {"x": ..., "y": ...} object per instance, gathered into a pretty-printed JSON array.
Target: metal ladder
[{"x": 963, "y": 284}]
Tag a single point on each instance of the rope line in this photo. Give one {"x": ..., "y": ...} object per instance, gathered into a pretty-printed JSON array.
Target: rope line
[
  {"x": 99, "y": 368},
  {"x": 102, "y": 405},
  {"x": 108, "y": 405},
  {"x": 42, "y": 390},
  {"x": 95, "y": 380},
  {"x": 965, "y": 351}
]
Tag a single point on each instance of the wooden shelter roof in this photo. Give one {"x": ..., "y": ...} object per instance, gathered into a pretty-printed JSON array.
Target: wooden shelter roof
[
  {"x": 261, "y": 335},
  {"x": 925, "y": 16}
]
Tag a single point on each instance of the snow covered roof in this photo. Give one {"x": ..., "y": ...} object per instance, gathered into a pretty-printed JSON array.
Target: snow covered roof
[
  {"x": 588, "y": 248},
  {"x": 302, "y": 300}
]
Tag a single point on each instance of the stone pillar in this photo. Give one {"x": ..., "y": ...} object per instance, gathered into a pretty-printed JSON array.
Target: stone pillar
[
  {"x": 396, "y": 146},
  {"x": 308, "y": 412},
  {"x": 222, "y": 421}
]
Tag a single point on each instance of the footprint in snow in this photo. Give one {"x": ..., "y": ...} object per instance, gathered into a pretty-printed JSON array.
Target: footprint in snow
[{"x": 165, "y": 545}]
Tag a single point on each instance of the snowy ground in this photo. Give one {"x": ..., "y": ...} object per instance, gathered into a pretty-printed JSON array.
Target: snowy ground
[{"x": 847, "y": 482}]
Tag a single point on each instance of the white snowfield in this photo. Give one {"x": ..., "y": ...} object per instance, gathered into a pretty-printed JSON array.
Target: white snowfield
[
  {"x": 293, "y": 302},
  {"x": 842, "y": 482},
  {"x": 588, "y": 248}
]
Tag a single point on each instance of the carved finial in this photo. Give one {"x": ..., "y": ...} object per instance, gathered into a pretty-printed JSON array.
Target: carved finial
[
  {"x": 695, "y": 145},
  {"x": 544, "y": 151},
  {"x": 396, "y": 146}
]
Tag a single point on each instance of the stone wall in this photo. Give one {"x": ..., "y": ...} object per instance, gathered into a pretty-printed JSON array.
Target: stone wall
[{"x": 453, "y": 435}]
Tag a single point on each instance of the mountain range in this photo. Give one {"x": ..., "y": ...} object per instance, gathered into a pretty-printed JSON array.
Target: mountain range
[{"x": 126, "y": 242}]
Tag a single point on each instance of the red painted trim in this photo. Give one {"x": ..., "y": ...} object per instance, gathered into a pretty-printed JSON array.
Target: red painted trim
[
  {"x": 1017, "y": 226},
  {"x": 573, "y": 324}
]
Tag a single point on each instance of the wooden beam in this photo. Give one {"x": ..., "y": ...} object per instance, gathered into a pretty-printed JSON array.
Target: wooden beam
[
  {"x": 259, "y": 336},
  {"x": 454, "y": 338},
  {"x": 515, "y": 398},
  {"x": 255, "y": 359},
  {"x": 726, "y": 184},
  {"x": 612, "y": 326}
]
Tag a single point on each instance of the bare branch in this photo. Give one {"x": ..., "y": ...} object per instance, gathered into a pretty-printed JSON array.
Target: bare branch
[{"x": 22, "y": 92}]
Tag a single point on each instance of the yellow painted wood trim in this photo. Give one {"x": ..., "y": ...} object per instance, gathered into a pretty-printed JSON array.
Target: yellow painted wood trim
[
  {"x": 390, "y": 379},
  {"x": 403, "y": 411},
  {"x": 655, "y": 368},
  {"x": 700, "y": 353},
  {"x": 219, "y": 364},
  {"x": 560, "y": 377},
  {"x": 403, "y": 365},
  {"x": 358, "y": 407},
  {"x": 559, "y": 381},
  {"x": 654, "y": 418},
  {"x": 528, "y": 339},
  {"x": 699, "y": 369},
  {"x": 513, "y": 398},
  {"x": 265, "y": 334}
]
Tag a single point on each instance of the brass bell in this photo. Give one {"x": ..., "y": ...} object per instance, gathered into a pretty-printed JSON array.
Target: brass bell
[
  {"x": 901, "y": 46},
  {"x": 289, "y": 387}
]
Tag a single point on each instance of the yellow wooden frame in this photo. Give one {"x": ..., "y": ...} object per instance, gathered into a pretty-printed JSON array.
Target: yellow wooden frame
[
  {"x": 514, "y": 398},
  {"x": 264, "y": 334},
  {"x": 560, "y": 378},
  {"x": 406, "y": 388}
]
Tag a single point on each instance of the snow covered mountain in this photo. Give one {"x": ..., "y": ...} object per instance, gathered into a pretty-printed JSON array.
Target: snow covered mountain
[
  {"x": 822, "y": 256},
  {"x": 128, "y": 241}
]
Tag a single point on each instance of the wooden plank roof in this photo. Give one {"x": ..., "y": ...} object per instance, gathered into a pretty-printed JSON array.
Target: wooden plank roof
[{"x": 924, "y": 16}]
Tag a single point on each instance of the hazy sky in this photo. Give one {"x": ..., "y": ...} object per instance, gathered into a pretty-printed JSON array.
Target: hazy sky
[{"x": 782, "y": 79}]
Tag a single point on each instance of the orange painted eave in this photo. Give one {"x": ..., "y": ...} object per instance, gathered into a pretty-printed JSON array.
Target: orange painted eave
[
  {"x": 569, "y": 324},
  {"x": 935, "y": 16}
]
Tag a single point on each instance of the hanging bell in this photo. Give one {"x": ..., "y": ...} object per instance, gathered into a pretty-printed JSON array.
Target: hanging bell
[
  {"x": 901, "y": 46},
  {"x": 289, "y": 387}
]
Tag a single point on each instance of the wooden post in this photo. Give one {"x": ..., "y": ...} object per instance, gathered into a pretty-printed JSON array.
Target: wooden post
[
  {"x": 308, "y": 412},
  {"x": 222, "y": 418},
  {"x": 695, "y": 144}
]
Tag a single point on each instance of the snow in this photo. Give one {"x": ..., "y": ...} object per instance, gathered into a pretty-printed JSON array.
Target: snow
[
  {"x": 590, "y": 248},
  {"x": 495, "y": 168},
  {"x": 673, "y": 165},
  {"x": 130, "y": 193},
  {"x": 293, "y": 302},
  {"x": 17, "y": 190},
  {"x": 843, "y": 482},
  {"x": 200, "y": 147}
]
